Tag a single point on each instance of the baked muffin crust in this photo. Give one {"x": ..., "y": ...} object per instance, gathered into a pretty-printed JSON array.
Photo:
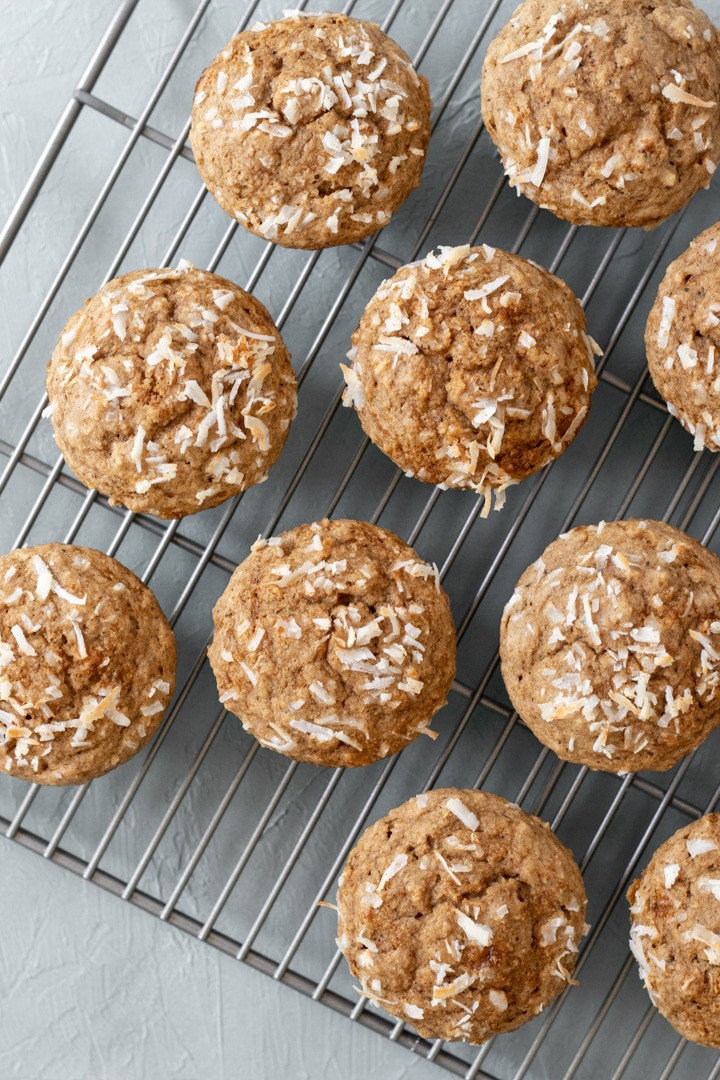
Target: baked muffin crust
[
  {"x": 461, "y": 914},
  {"x": 606, "y": 112},
  {"x": 170, "y": 391},
  {"x": 609, "y": 645},
  {"x": 472, "y": 369},
  {"x": 682, "y": 338},
  {"x": 675, "y": 934},
  {"x": 311, "y": 130},
  {"x": 334, "y": 643},
  {"x": 87, "y": 664}
]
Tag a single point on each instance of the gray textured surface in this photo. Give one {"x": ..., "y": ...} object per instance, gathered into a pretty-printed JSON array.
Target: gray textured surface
[
  {"x": 147, "y": 999},
  {"x": 101, "y": 990}
]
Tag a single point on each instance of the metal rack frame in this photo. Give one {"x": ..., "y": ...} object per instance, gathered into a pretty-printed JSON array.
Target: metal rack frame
[{"x": 548, "y": 786}]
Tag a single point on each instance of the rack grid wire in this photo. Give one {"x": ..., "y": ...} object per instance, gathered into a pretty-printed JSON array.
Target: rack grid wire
[{"x": 236, "y": 845}]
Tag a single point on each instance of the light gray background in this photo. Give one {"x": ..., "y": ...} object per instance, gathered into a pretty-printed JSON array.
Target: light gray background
[{"x": 92, "y": 987}]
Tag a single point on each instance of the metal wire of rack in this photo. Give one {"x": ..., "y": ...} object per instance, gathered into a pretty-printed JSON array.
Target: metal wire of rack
[{"x": 234, "y": 844}]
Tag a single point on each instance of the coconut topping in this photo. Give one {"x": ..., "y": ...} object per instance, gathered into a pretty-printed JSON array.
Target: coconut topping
[
  {"x": 342, "y": 92},
  {"x": 464, "y": 947},
  {"x": 682, "y": 340},
  {"x": 675, "y": 932},
  {"x": 569, "y": 118}
]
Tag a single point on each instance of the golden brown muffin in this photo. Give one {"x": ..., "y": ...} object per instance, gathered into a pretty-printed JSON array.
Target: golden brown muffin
[
  {"x": 170, "y": 391},
  {"x": 87, "y": 664},
  {"x": 675, "y": 934},
  {"x": 462, "y": 914},
  {"x": 472, "y": 369},
  {"x": 334, "y": 643},
  {"x": 311, "y": 130},
  {"x": 609, "y": 645},
  {"x": 606, "y": 112},
  {"x": 682, "y": 338}
]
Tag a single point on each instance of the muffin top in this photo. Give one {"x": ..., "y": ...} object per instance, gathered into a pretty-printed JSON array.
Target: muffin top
[
  {"x": 461, "y": 913},
  {"x": 170, "y": 391},
  {"x": 682, "y": 338},
  {"x": 607, "y": 112},
  {"x": 87, "y": 664},
  {"x": 472, "y": 368},
  {"x": 334, "y": 643},
  {"x": 675, "y": 934},
  {"x": 311, "y": 130},
  {"x": 610, "y": 645}
]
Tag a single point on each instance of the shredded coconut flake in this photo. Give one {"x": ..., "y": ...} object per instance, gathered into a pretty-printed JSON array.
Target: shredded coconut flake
[
  {"x": 477, "y": 932},
  {"x": 486, "y": 290},
  {"x": 700, "y": 846},
  {"x": 666, "y": 321},
  {"x": 23, "y": 644},
  {"x": 543, "y": 155},
  {"x": 397, "y": 864},
  {"x": 460, "y": 810},
  {"x": 670, "y": 873},
  {"x": 679, "y": 96}
]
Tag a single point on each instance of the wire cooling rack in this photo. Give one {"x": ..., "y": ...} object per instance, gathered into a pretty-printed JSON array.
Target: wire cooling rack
[{"x": 235, "y": 844}]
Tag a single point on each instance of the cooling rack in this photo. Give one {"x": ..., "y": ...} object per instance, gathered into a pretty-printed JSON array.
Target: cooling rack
[{"x": 229, "y": 842}]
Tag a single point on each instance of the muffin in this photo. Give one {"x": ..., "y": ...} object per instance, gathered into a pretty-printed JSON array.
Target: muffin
[
  {"x": 334, "y": 643},
  {"x": 675, "y": 934},
  {"x": 170, "y": 391},
  {"x": 87, "y": 664},
  {"x": 610, "y": 645},
  {"x": 462, "y": 914},
  {"x": 311, "y": 130},
  {"x": 605, "y": 111},
  {"x": 472, "y": 369},
  {"x": 682, "y": 338}
]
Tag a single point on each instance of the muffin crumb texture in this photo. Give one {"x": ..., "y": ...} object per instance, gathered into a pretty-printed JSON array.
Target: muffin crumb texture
[
  {"x": 311, "y": 130},
  {"x": 610, "y": 645},
  {"x": 461, "y": 914},
  {"x": 606, "y": 112}
]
